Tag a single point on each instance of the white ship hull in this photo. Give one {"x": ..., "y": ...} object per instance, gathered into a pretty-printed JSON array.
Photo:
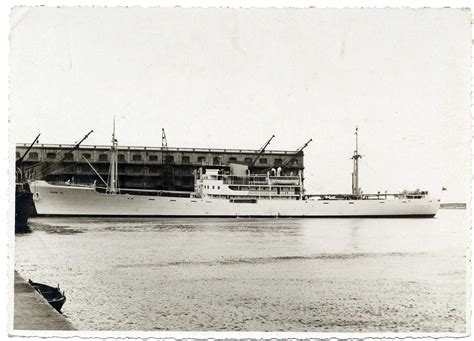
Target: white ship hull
[{"x": 70, "y": 200}]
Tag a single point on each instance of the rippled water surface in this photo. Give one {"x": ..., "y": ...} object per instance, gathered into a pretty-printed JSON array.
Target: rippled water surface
[{"x": 404, "y": 275}]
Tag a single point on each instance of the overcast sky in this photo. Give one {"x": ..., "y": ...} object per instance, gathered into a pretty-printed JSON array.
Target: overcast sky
[{"x": 230, "y": 78}]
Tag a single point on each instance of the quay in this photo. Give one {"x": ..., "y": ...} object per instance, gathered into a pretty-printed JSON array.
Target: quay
[
  {"x": 33, "y": 312},
  {"x": 453, "y": 205}
]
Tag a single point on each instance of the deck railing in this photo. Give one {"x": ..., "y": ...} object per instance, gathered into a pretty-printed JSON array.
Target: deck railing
[{"x": 259, "y": 180}]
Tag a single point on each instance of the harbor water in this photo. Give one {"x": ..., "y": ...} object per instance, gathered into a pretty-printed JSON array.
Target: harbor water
[{"x": 316, "y": 275}]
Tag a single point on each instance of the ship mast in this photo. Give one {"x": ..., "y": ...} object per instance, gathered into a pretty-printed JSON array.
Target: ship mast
[
  {"x": 355, "y": 174},
  {"x": 113, "y": 181}
]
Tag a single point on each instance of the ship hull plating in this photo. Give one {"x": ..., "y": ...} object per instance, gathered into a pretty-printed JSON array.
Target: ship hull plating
[{"x": 54, "y": 200}]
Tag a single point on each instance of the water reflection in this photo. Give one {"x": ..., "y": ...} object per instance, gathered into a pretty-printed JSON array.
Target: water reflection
[{"x": 354, "y": 237}]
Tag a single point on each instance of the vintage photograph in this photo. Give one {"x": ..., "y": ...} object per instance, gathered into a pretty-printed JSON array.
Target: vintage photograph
[{"x": 245, "y": 170}]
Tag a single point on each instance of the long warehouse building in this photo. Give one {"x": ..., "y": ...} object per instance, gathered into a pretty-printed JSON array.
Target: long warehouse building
[{"x": 145, "y": 167}]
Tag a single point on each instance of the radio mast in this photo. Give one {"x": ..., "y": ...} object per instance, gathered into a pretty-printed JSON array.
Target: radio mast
[{"x": 355, "y": 174}]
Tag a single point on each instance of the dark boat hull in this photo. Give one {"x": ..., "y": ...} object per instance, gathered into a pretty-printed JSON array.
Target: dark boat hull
[
  {"x": 53, "y": 295},
  {"x": 23, "y": 202}
]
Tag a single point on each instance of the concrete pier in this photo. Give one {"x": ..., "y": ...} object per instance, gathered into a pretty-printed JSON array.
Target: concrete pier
[{"x": 33, "y": 312}]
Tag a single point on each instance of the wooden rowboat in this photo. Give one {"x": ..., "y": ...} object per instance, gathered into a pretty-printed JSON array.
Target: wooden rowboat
[{"x": 53, "y": 295}]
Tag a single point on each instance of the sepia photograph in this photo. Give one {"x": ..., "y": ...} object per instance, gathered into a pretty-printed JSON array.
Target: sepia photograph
[{"x": 239, "y": 172}]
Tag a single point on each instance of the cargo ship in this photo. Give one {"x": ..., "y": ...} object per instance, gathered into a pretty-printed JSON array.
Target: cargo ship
[{"x": 226, "y": 191}]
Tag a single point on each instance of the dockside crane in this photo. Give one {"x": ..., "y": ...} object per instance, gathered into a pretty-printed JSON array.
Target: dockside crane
[
  {"x": 76, "y": 146},
  {"x": 79, "y": 143},
  {"x": 164, "y": 146},
  {"x": 19, "y": 163},
  {"x": 51, "y": 169},
  {"x": 20, "y": 160},
  {"x": 261, "y": 151},
  {"x": 293, "y": 157},
  {"x": 167, "y": 180},
  {"x": 164, "y": 143}
]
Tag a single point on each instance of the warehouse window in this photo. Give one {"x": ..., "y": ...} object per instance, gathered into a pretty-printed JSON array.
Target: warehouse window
[
  {"x": 86, "y": 156},
  {"x": 51, "y": 156},
  {"x": 137, "y": 157},
  {"x": 33, "y": 156},
  {"x": 232, "y": 159},
  {"x": 68, "y": 156},
  {"x": 17, "y": 155},
  {"x": 278, "y": 162},
  {"x": 103, "y": 157},
  {"x": 248, "y": 160},
  {"x": 82, "y": 168},
  {"x": 121, "y": 157},
  {"x": 169, "y": 159},
  {"x": 263, "y": 160},
  {"x": 186, "y": 159},
  {"x": 201, "y": 159},
  {"x": 153, "y": 158},
  {"x": 216, "y": 160}
]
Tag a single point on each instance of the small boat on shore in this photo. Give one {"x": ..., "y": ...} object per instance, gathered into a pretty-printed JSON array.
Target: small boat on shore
[{"x": 53, "y": 295}]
